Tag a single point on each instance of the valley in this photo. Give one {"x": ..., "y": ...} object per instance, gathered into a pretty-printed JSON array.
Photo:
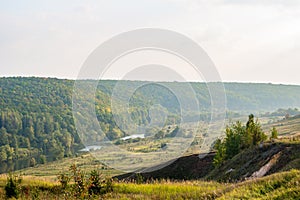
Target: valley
[{"x": 39, "y": 142}]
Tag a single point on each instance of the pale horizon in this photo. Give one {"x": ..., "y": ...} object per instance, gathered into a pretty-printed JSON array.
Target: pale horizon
[
  {"x": 248, "y": 41},
  {"x": 110, "y": 79}
]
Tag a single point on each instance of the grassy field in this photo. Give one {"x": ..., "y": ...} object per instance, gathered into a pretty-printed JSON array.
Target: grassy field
[
  {"x": 278, "y": 186},
  {"x": 284, "y": 185},
  {"x": 286, "y": 128},
  {"x": 86, "y": 162}
]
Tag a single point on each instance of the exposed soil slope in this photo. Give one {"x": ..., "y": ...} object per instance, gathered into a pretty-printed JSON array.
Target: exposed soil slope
[{"x": 269, "y": 159}]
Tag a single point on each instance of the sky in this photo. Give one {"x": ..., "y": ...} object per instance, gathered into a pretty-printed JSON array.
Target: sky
[{"x": 248, "y": 40}]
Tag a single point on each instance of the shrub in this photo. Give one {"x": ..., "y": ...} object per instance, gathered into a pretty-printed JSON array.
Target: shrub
[
  {"x": 238, "y": 138},
  {"x": 274, "y": 133},
  {"x": 32, "y": 162},
  {"x": 109, "y": 185},
  {"x": 12, "y": 187},
  {"x": 82, "y": 186},
  {"x": 79, "y": 181},
  {"x": 139, "y": 178},
  {"x": 64, "y": 179},
  {"x": 94, "y": 183}
]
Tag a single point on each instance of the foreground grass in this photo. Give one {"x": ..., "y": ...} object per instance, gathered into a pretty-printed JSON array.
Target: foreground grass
[
  {"x": 284, "y": 185},
  {"x": 167, "y": 190}
]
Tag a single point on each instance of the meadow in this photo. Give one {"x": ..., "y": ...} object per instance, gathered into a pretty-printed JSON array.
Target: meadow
[{"x": 284, "y": 185}]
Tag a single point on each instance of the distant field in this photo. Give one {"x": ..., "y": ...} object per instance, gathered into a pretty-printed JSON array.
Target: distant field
[
  {"x": 287, "y": 127},
  {"x": 50, "y": 171}
]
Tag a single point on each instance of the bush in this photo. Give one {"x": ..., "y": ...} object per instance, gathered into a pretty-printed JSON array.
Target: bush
[
  {"x": 139, "y": 178},
  {"x": 12, "y": 187},
  {"x": 109, "y": 185},
  {"x": 238, "y": 137},
  {"x": 32, "y": 162},
  {"x": 85, "y": 186},
  {"x": 95, "y": 183},
  {"x": 274, "y": 133},
  {"x": 64, "y": 180},
  {"x": 79, "y": 181}
]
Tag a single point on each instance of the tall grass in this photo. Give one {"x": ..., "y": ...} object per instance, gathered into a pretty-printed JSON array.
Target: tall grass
[
  {"x": 284, "y": 185},
  {"x": 169, "y": 190}
]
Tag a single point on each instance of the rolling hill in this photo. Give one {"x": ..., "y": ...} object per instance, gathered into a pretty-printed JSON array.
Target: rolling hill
[{"x": 37, "y": 126}]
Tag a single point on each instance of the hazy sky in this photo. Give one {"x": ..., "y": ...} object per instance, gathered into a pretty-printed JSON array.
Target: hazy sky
[{"x": 248, "y": 40}]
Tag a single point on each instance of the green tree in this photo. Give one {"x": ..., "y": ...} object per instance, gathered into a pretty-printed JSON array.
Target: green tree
[
  {"x": 43, "y": 159},
  {"x": 274, "y": 133},
  {"x": 220, "y": 153},
  {"x": 95, "y": 181},
  {"x": 3, "y": 155},
  {"x": 232, "y": 142},
  {"x": 32, "y": 162},
  {"x": 254, "y": 129},
  {"x": 237, "y": 138},
  {"x": 12, "y": 187}
]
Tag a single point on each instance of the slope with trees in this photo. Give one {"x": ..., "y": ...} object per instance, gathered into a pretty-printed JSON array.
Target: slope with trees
[{"x": 36, "y": 113}]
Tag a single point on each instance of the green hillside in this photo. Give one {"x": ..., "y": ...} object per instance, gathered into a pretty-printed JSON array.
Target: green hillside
[{"x": 36, "y": 122}]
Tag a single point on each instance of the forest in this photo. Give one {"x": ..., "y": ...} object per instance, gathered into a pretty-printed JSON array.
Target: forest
[{"x": 36, "y": 117}]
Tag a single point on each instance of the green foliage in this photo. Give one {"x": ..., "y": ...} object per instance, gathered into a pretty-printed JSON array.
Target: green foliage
[
  {"x": 79, "y": 181},
  {"x": 232, "y": 142},
  {"x": 95, "y": 181},
  {"x": 139, "y": 178},
  {"x": 274, "y": 133},
  {"x": 220, "y": 155},
  {"x": 83, "y": 186},
  {"x": 64, "y": 179},
  {"x": 108, "y": 185},
  {"x": 237, "y": 138},
  {"x": 43, "y": 159},
  {"x": 12, "y": 187},
  {"x": 283, "y": 185},
  {"x": 255, "y": 131},
  {"x": 32, "y": 162}
]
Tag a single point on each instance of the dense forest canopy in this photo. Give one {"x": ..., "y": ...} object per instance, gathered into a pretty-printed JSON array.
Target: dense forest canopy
[{"x": 36, "y": 113}]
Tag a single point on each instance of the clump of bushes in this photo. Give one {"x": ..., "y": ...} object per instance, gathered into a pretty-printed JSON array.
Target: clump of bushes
[
  {"x": 75, "y": 184},
  {"x": 83, "y": 185},
  {"x": 238, "y": 137}
]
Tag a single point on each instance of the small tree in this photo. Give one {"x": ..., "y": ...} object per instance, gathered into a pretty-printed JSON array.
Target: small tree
[
  {"x": 274, "y": 133},
  {"x": 232, "y": 141},
  {"x": 220, "y": 155},
  {"x": 12, "y": 187},
  {"x": 95, "y": 180},
  {"x": 32, "y": 162},
  {"x": 79, "y": 181},
  {"x": 64, "y": 179},
  {"x": 237, "y": 138},
  {"x": 254, "y": 129},
  {"x": 43, "y": 159}
]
